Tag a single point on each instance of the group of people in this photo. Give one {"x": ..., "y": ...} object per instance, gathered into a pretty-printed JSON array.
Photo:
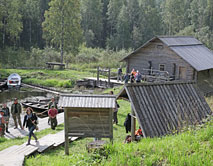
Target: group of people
[
  {"x": 134, "y": 76},
  {"x": 138, "y": 136},
  {"x": 30, "y": 119},
  {"x": 5, "y": 116}
]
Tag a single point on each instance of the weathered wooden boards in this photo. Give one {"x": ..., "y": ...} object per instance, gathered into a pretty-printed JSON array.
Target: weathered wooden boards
[
  {"x": 102, "y": 79},
  {"x": 87, "y": 116},
  {"x": 41, "y": 88},
  {"x": 14, "y": 155},
  {"x": 14, "y": 133},
  {"x": 101, "y": 83}
]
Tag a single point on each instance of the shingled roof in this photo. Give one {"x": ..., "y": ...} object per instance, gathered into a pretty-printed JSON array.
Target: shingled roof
[
  {"x": 188, "y": 48},
  {"x": 163, "y": 108},
  {"x": 86, "y": 101}
]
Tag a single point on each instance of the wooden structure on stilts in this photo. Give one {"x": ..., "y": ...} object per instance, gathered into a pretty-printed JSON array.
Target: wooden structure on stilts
[{"x": 87, "y": 116}]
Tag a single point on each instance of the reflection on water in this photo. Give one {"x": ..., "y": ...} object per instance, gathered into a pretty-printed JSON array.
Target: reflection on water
[{"x": 8, "y": 96}]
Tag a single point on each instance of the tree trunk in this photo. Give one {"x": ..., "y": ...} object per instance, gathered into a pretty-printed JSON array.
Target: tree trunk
[
  {"x": 4, "y": 31},
  {"x": 30, "y": 24},
  {"x": 62, "y": 35}
]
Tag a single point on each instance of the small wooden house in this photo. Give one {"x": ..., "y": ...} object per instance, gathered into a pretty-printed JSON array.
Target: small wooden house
[
  {"x": 183, "y": 57},
  {"x": 87, "y": 116}
]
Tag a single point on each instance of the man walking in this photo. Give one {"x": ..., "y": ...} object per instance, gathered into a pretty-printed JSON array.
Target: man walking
[
  {"x": 16, "y": 111},
  {"x": 52, "y": 103},
  {"x": 6, "y": 111},
  {"x": 52, "y": 115}
]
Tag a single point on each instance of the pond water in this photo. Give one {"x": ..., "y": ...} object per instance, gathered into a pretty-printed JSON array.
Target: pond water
[{"x": 22, "y": 95}]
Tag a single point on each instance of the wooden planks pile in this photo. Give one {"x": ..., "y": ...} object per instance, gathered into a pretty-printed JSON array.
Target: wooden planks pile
[
  {"x": 14, "y": 155},
  {"x": 14, "y": 133}
]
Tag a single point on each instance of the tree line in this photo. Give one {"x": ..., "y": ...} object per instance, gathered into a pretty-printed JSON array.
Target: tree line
[{"x": 108, "y": 24}]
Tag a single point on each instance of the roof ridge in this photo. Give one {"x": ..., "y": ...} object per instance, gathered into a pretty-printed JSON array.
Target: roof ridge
[
  {"x": 165, "y": 36},
  {"x": 161, "y": 83}
]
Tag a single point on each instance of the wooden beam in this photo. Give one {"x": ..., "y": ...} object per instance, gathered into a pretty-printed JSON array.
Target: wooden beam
[
  {"x": 66, "y": 131},
  {"x": 111, "y": 124},
  {"x": 133, "y": 124}
]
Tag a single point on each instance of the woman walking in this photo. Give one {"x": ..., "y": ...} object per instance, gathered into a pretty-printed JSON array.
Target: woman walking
[{"x": 30, "y": 119}]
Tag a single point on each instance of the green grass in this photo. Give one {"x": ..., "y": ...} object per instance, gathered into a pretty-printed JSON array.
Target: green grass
[
  {"x": 5, "y": 143},
  {"x": 49, "y": 78},
  {"x": 192, "y": 147}
]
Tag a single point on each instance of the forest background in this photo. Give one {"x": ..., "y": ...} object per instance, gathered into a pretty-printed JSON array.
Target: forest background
[{"x": 94, "y": 32}]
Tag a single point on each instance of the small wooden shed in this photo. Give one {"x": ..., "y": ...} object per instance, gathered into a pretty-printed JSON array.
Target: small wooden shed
[
  {"x": 162, "y": 108},
  {"x": 87, "y": 116}
]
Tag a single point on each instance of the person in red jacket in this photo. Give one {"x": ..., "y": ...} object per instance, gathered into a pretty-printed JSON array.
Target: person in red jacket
[
  {"x": 2, "y": 122},
  {"x": 52, "y": 115},
  {"x": 138, "y": 134}
]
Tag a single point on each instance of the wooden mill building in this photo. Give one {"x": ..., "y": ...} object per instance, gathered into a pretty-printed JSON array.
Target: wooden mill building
[
  {"x": 161, "y": 108},
  {"x": 183, "y": 57}
]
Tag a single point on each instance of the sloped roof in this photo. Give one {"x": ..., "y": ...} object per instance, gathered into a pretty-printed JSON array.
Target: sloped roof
[
  {"x": 188, "y": 48},
  {"x": 163, "y": 108},
  {"x": 87, "y": 101}
]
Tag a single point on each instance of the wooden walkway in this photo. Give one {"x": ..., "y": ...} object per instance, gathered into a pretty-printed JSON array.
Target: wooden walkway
[
  {"x": 15, "y": 133},
  {"x": 105, "y": 80},
  {"x": 15, "y": 155}
]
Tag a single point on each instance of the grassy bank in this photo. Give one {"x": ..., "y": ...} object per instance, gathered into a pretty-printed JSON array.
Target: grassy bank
[
  {"x": 49, "y": 78},
  {"x": 192, "y": 147}
]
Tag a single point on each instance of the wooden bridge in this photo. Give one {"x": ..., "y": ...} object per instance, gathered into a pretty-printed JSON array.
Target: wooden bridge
[{"x": 101, "y": 83}]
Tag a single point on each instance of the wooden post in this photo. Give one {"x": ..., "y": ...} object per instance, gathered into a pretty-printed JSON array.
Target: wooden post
[
  {"x": 111, "y": 124},
  {"x": 133, "y": 124},
  {"x": 109, "y": 77},
  {"x": 66, "y": 131},
  {"x": 98, "y": 76}
]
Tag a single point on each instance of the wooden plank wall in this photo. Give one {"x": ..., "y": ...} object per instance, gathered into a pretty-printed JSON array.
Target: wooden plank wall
[
  {"x": 158, "y": 55},
  {"x": 89, "y": 122}
]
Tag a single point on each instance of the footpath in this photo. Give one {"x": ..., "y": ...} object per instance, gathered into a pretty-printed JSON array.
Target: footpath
[{"x": 15, "y": 155}]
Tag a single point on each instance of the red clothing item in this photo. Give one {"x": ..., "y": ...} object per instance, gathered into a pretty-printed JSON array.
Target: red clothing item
[
  {"x": 139, "y": 132},
  {"x": 52, "y": 112}
]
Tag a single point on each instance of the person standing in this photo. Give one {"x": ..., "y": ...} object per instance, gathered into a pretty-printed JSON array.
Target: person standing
[
  {"x": 126, "y": 78},
  {"x": 2, "y": 122},
  {"x": 30, "y": 119},
  {"x": 138, "y": 77},
  {"x": 115, "y": 113},
  {"x": 119, "y": 74},
  {"x": 52, "y": 115},
  {"x": 52, "y": 103},
  {"x": 16, "y": 111},
  {"x": 6, "y": 111}
]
